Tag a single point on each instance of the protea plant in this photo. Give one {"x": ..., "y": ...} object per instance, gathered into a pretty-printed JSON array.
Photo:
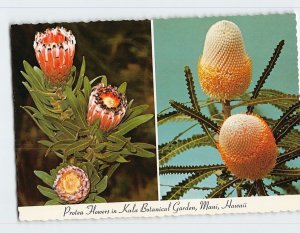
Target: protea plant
[{"x": 86, "y": 126}]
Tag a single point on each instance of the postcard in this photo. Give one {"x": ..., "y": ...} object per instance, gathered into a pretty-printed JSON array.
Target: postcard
[{"x": 161, "y": 117}]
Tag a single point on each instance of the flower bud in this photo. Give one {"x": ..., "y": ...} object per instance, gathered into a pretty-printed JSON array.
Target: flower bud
[
  {"x": 54, "y": 51},
  {"x": 224, "y": 68}
]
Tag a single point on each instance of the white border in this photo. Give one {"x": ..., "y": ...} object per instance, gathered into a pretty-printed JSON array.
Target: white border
[
  {"x": 237, "y": 205},
  {"x": 279, "y": 222}
]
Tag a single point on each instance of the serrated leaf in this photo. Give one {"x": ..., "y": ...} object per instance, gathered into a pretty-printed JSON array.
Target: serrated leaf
[
  {"x": 122, "y": 88},
  {"x": 285, "y": 172},
  {"x": 172, "y": 116},
  {"x": 133, "y": 123},
  {"x": 196, "y": 115},
  {"x": 78, "y": 146},
  {"x": 266, "y": 73},
  {"x": 101, "y": 186},
  {"x": 181, "y": 188},
  {"x": 47, "y": 192},
  {"x": 180, "y": 146},
  {"x": 276, "y": 98},
  {"x": 287, "y": 156},
  {"x": 221, "y": 189},
  {"x": 45, "y": 177},
  {"x": 191, "y": 88},
  {"x": 287, "y": 128},
  {"x": 189, "y": 169}
]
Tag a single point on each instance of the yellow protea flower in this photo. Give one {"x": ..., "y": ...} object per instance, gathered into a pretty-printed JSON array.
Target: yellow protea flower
[
  {"x": 247, "y": 146},
  {"x": 224, "y": 67}
]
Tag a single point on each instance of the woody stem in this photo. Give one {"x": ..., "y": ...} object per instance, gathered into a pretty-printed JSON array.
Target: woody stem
[{"x": 226, "y": 108}]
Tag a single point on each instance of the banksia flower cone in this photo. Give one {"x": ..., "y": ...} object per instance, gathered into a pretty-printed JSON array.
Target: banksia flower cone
[
  {"x": 54, "y": 50},
  {"x": 108, "y": 105},
  {"x": 224, "y": 68},
  {"x": 247, "y": 146},
  {"x": 72, "y": 184}
]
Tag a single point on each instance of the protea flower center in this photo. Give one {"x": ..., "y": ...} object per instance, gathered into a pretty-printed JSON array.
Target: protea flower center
[
  {"x": 72, "y": 184},
  {"x": 108, "y": 105},
  {"x": 54, "y": 50},
  {"x": 224, "y": 67},
  {"x": 247, "y": 146}
]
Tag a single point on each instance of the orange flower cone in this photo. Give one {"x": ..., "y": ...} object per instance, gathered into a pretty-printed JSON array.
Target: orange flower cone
[
  {"x": 247, "y": 146},
  {"x": 108, "y": 105},
  {"x": 54, "y": 50},
  {"x": 72, "y": 184},
  {"x": 224, "y": 68}
]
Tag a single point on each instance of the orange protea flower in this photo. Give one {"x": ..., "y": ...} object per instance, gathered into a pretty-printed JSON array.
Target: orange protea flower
[
  {"x": 108, "y": 105},
  {"x": 54, "y": 50},
  {"x": 72, "y": 184},
  {"x": 224, "y": 68},
  {"x": 247, "y": 146}
]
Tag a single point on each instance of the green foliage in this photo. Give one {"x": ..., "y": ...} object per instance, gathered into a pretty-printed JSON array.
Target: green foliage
[
  {"x": 61, "y": 113},
  {"x": 281, "y": 179}
]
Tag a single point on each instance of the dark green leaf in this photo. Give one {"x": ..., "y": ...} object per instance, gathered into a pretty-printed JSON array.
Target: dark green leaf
[
  {"x": 45, "y": 177},
  {"x": 189, "y": 169},
  {"x": 221, "y": 189},
  {"x": 78, "y": 146},
  {"x": 196, "y": 115},
  {"x": 47, "y": 192},
  {"x": 101, "y": 186},
  {"x": 133, "y": 123},
  {"x": 180, "y": 189}
]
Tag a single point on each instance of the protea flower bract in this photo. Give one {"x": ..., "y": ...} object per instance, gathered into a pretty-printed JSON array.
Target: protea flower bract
[{"x": 107, "y": 105}]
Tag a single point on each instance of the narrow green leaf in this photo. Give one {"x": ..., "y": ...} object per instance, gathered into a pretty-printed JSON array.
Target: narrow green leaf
[
  {"x": 45, "y": 177},
  {"x": 221, "y": 189},
  {"x": 191, "y": 88},
  {"x": 112, "y": 169},
  {"x": 78, "y": 146},
  {"x": 55, "y": 201},
  {"x": 133, "y": 123},
  {"x": 181, "y": 188},
  {"x": 137, "y": 111},
  {"x": 189, "y": 169},
  {"x": 79, "y": 117},
  {"x": 266, "y": 73},
  {"x": 82, "y": 68},
  {"x": 196, "y": 115},
  {"x": 122, "y": 88},
  {"x": 101, "y": 186},
  {"x": 121, "y": 159},
  {"x": 99, "y": 200},
  {"x": 87, "y": 89},
  {"x": 104, "y": 80},
  {"x": 47, "y": 192}
]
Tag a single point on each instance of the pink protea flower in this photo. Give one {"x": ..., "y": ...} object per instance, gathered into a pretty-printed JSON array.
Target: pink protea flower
[
  {"x": 72, "y": 184},
  {"x": 54, "y": 50},
  {"x": 108, "y": 105}
]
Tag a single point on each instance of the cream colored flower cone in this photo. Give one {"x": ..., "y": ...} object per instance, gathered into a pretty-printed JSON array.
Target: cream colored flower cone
[
  {"x": 224, "y": 68},
  {"x": 247, "y": 146}
]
